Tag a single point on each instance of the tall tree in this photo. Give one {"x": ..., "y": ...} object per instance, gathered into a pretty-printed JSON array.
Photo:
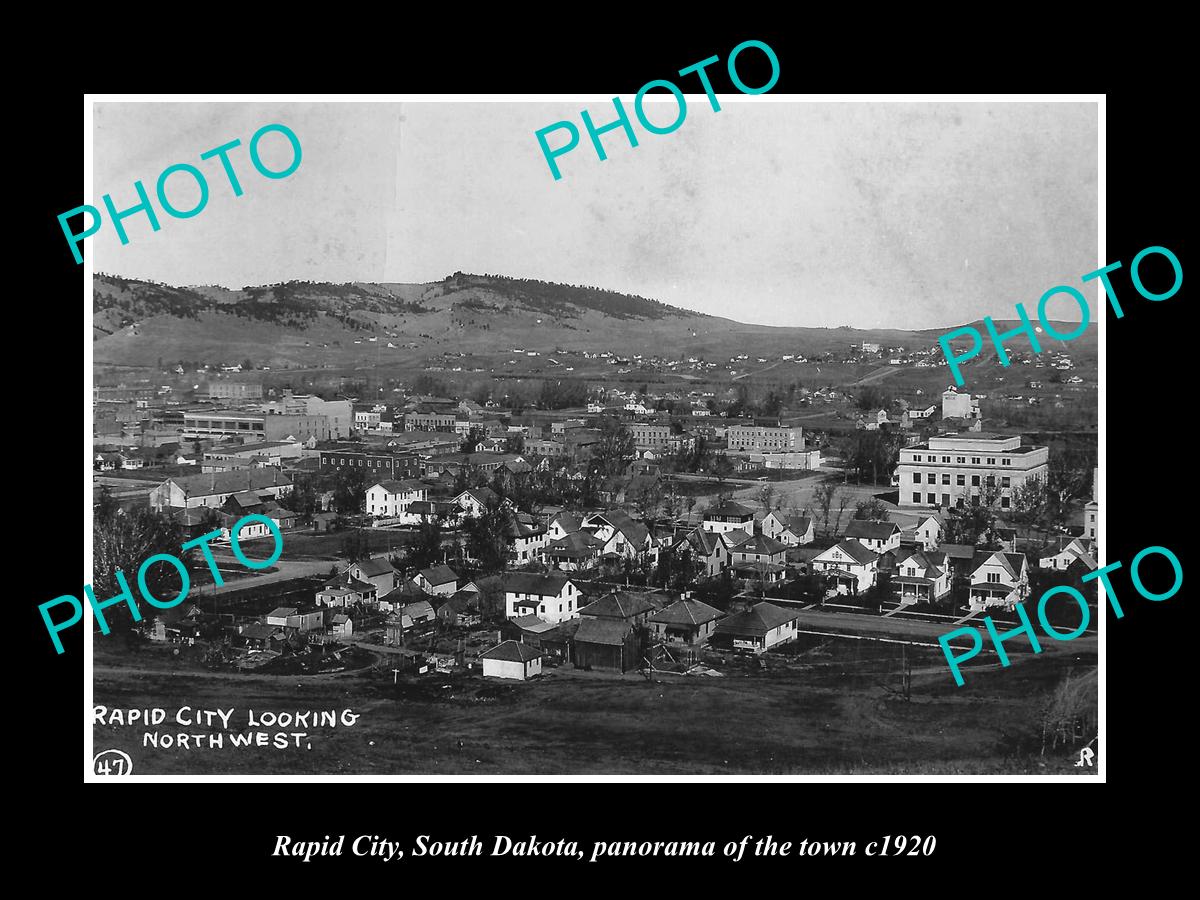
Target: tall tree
[
  {"x": 615, "y": 446},
  {"x": 489, "y": 537}
]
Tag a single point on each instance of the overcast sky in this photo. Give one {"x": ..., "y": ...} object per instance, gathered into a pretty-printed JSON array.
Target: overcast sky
[{"x": 871, "y": 215}]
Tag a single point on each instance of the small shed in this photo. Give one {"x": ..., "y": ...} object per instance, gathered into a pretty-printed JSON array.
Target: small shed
[{"x": 511, "y": 659}]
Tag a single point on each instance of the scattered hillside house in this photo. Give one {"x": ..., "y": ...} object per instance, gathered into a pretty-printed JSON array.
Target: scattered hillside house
[
  {"x": 849, "y": 567},
  {"x": 611, "y": 645},
  {"x": 552, "y": 597},
  {"x": 440, "y": 581},
  {"x": 925, "y": 413},
  {"x": 1065, "y": 552},
  {"x": 214, "y": 489},
  {"x": 758, "y": 557},
  {"x": 706, "y": 549},
  {"x": 345, "y": 590},
  {"x": 622, "y": 605},
  {"x": 928, "y": 530},
  {"x": 921, "y": 576},
  {"x": 474, "y": 502},
  {"x": 258, "y": 637},
  {"x": 306, "y": 620},
  {"x": 872, "y": 420},
  {"x": 406, "y": 592},
  {"x": 342, "y": 625},
  {"x": 391, "y": 497},
  {"x": 511, "y": 659},
  {"x": 687, "y": 622},
  {"x": 1091, "y": 519},
  {"x": 575, "y": 552},
  {"x": 415, "y": 615},
  {"x": 759, "y": 628},
  {"x": 998, "y": 579},
  {"x": 728, "y": 516},
  {"x": 379, "y": 572},
  {"x": 877, "y": 536},
  {"x": 791, "y": 530}
]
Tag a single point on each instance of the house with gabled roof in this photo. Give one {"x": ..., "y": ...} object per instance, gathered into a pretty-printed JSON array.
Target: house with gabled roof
[
  {"x": 511, "y": 659},
  {"x": 928, "y": 531},
  {"x": 606, "y": 644},
  {"x": 574, "y": 552},
  {"x": 728, "y": 516},
  {"x": 392, "y": 497},
  {"x": 707, "y": 550},
  {"x": 794, "y": 531},
  {"x": 623, "y": 605},
  {"x": 758, "y": 629},
  {"x": 552, "y": 597},
  {"x": 998, "y": 579},
  {"x": 921, "y": 576},
  {"x": 1065, "y": 552},
  {"x": 848, "y": 567},
  {"x": 689, "y": 622},
  {"x": 378, "y": 571},
  {"x": 563, "y": 524},
  {"x": 437, "y": 580},
  {"x": 474, "y": 501},
  {"x": 345, "y": 590},
  {"x": 622, "y": 535},
  {"x": 528, "y": 539},
  {"x": 877, "y": 536}
]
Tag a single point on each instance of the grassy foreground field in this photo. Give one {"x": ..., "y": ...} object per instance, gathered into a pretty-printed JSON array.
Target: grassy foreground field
[{"x": 829, "y": 710}]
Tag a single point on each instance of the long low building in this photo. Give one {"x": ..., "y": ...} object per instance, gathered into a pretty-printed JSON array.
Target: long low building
[{"x": 255, "y": 426}]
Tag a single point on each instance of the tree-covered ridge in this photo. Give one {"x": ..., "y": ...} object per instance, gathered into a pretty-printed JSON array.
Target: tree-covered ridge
[{"x": 563, "y": 299}]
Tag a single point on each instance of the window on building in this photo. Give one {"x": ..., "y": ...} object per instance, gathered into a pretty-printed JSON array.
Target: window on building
[
  {"x": 960, "y": 480},
  {"x": 917, "y": 457},
  {"x": 974, "y": 460},
  {"x": 916, "y": 496},
  {"x": 931, "y": 498},
  {"x": 945, "y": 478},
  {"x": 916, "y": 477},
  {"x": 974, "y": 481},
  {"x": 1006, "y": 461},
  {"x": 991, "y": 460},
  {"x": 1004, "y": 503},
  {"x": 1005, "y": 481},
  {"x": 945, "y": 499},
  {"x": 962, "y": 459},
  {"x": 993, "y": 577}
]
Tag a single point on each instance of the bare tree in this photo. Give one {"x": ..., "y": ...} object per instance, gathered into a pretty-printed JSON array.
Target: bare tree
[
  {"x": 765, "y": 493},
  {"x": 825, "y": 494}
]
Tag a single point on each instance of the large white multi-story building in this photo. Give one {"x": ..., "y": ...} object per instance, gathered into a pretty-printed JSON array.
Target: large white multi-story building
[
  {"x": 956, "y": 469},
  {"x": 764, "y": 438}
]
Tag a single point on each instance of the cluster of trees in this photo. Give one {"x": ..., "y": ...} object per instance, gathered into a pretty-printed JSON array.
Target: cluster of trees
[{"x": 869, "y": 455}]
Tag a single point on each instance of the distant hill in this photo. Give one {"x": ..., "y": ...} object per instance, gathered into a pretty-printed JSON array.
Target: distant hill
[{"x": 314, "y": 324}]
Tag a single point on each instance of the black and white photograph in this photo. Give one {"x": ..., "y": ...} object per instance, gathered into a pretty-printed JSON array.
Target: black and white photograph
[{"x": 520, "y": 436}]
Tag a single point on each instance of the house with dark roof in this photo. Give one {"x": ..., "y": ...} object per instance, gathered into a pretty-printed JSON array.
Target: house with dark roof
[
  {"x": 407, "y": 591},
  {"x": 378, "y": 571},
  {"x": 928, "y": 530},
  {"x": 707, "y": 550},
  {"x": 728, "y": 516},
  {"x": 921, "y": 576},
  {"x": 877, "y": 536},
  {"x": 620, "y": 605},
  {"x": 577, "y": 551},
  {"x": 794, "y": 531},
  {"x": 607, "y": 644},
  {"x": 759, "y": 628},
  {"x": 528, "y": 539},
  {"x": 438, "y": 580},
  {"x": 511, "y": 659},
  {"x": 552, "y": 597},
  {"x": 848, "y": 567},
  {"x": 687, "y": 622},
  {"x": 215, "y": 488},
  {"x": 1065, "y": 552},
  {"x": 959, "y": 557},
  {"x": 346, "y": 590},
  {"x": 474, "y": 501},
  {"x": 393, "y": 498},
  {"x": 461, "y": 609},
  {"x": 998, "y": 579},
  {"x": 622, "y": 535},
  {"x": 563, "y": 524}
]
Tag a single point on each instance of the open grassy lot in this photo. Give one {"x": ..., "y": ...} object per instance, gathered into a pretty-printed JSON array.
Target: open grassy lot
[{"x": 833, "y": 708}]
